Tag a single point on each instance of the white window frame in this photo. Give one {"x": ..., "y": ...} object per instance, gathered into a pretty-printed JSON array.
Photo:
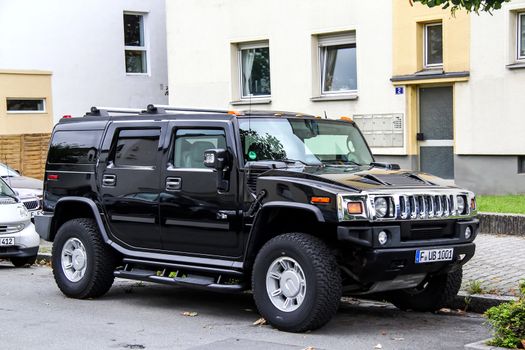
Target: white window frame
[
  {"x": 43, "y": 111},
  {"x": 519, "y": 43},
  {"x": 324, "y": 42},
  {"x": 425, "y": 42},
  {"x": 144, "y": 48},
  {"x": 247, "y": 46}
]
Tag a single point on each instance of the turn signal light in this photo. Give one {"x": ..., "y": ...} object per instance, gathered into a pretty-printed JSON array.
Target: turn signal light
[
  {"x": 473, "y": 204},
  {"x": 354, "y": 208},
  {"x": 234, "y": 113},
  {"x": 320, "y": 200}
]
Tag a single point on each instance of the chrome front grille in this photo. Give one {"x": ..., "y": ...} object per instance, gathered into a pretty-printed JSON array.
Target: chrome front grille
[{"x": 427, "y": 206}]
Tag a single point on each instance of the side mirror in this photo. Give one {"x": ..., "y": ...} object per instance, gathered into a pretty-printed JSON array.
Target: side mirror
[{"x": 217, "y": 159}]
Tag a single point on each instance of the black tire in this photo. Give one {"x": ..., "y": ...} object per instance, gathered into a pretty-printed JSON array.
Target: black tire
[
  {"x": 101, "y": 260},
  {"x": 323, "y": 282},
  {"x": 433, "y": 294},
  {"x": 21, "y": 262}
]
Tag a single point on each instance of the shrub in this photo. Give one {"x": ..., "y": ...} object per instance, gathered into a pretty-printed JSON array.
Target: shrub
[{"x": 508, "y": 322}]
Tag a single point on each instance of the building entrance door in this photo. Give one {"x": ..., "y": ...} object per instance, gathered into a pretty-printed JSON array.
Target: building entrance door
[{"x": 436, "y": 131}]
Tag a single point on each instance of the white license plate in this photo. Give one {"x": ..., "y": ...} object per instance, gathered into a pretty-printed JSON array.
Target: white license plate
[
  {"x": 432, "y": 255},
  {"x": 5, "y": 242}
]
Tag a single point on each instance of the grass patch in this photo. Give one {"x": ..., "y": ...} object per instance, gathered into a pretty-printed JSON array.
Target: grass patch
[
  {"x": 474, "y": 287},
  {"x": 514, "y": 204}
]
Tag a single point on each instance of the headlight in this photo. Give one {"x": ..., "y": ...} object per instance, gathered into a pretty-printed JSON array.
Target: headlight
[
  {"x": 461, "y": 204},
  {"x": 22, "y": 211},
  {"x": 381, "y": 207}
]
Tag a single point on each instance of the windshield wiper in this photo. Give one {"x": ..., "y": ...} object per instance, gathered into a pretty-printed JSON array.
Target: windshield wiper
[
  {"x": 292, "y": 161},
  {"x": 344, "y": 162},
  {"x": 8, "y": 195}
]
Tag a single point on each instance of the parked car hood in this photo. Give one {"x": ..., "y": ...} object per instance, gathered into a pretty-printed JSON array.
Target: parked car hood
[
  {"x": 17, "y": 182},
  {"x": 363, "y": 178}
]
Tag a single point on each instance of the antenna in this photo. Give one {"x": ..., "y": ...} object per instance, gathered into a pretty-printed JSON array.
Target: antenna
[
  {"x": 325, "y": 116},
  {"x": 7, "y": 171}
]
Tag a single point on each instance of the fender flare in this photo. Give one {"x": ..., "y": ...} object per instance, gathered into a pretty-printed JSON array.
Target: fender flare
[
  {"x": 278, "y": 204},
  {"x": 94, "y": 210}
]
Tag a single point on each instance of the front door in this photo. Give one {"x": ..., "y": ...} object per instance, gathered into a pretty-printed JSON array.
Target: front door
[
  {"x": 129, "y": 182},
  {"x": 197, "y": 218},
  {"x": 436, "y": 132}
]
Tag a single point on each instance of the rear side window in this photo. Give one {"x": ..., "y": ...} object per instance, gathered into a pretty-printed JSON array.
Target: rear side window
[
  {"x": 137, "y": 147},
  {"x": 77, "y": 147}
]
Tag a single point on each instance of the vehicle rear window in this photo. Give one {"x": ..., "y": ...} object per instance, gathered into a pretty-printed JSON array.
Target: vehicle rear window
[
  {"x": 137, "y": 147},
  {"x": 78, "y": 147}
]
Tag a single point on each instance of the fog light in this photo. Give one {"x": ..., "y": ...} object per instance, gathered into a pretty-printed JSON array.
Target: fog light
[
  {"x": 468, "y": 232},
  {"x": 382, "y": 237}
]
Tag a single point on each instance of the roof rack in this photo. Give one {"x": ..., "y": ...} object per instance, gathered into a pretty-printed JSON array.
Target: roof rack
[
  {"x": 163, "y": 108},
  {"x": 104, "y": 111}
]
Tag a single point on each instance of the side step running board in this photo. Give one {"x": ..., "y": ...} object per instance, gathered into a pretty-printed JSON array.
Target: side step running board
[{"x": 175, "y": 274}]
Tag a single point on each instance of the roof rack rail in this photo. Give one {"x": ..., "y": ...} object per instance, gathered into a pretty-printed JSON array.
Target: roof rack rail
[
  {"x": 104, "y": 111},
  {"x": 163, "y": 108}
]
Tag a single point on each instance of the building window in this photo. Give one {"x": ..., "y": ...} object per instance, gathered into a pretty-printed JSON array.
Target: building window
[
  {"x": 135, "y": 45},
  {"x": 521, "y": 164},
  {"x": 25, "y": 105},
  {"x": 521, "y": 36},
  {"x": 433, "y": 45},
  {"x": 254, "y": 61},
  {"x": 338, "y": 65}
]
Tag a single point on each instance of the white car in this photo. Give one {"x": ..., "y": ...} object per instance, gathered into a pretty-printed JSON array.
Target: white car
[
  {"x": 18, "y": 239},
  {"x": 28, "y": 189}
]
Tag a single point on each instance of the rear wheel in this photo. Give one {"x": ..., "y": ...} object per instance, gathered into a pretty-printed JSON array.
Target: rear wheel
[
  {"x": 296, "y": 282},
  {"x": 432, "y": 294},
  {"x": 83, "y": 264},
  {"x": 21, "y": 262}
]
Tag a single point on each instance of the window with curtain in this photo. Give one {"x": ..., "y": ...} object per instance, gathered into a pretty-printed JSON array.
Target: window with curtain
[
  {"x": 433, "y": 45},
  {"x": 338, "y": 64},
  {"x": 254, "y": 71},
  {"x": 134, "y": 41},
  {"x": 521, "y": 36}
]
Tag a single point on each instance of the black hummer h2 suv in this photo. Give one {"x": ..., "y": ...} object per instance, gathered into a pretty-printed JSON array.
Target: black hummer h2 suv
[{"x": 290, "y": 206}]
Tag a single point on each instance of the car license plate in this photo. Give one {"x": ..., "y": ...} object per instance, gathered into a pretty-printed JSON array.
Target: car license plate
[
  {"x": 432, "y": 255},
  {"x": 5, "y": 242}
]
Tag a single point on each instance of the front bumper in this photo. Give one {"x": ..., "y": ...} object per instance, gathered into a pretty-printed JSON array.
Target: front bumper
[{"x": 27, "y": 242}]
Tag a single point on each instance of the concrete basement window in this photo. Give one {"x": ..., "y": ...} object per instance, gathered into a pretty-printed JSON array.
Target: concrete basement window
[
  {"x": 26, "y": 105},
  {"x": 521, "y": 164}
]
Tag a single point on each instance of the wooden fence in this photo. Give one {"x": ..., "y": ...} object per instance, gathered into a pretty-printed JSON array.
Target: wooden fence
[{"x": 26, "y": 153}]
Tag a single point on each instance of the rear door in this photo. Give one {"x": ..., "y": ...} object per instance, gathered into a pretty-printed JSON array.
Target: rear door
[
  {"x": 129, "y": 177},
  {"x": 196, "y": 218}
]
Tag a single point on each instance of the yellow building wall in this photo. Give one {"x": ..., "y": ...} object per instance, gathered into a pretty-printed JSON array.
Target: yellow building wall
[
  {"x": 25, "y": 84},
  {"x": 408, "y": 24}
]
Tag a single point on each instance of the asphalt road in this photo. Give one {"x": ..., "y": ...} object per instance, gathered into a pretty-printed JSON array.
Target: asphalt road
[{"x": 35, "y": 315}]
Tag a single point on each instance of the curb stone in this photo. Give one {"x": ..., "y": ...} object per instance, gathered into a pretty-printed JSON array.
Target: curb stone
[
  {"x": 499, "y": 223},
  {"x": 482, "y": 345},
  {"x": 43, "y": 256},
  {"x": 478, "y": 303}
]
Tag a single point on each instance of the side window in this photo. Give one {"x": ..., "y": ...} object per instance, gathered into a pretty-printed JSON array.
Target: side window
[
  {"x": 137, "y": 147},
  {"x": 74, "y": 147},
  {"x": 190, "y": 145}
]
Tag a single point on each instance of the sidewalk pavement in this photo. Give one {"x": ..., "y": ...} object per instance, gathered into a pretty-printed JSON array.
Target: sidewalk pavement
[{"x": 497, "y": 267}]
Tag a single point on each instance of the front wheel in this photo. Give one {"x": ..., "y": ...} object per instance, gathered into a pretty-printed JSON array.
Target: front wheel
[
  {"x": 431, "y": 295},
  {"x": 296, "y": 282},
  {"x": 82, "y": 263}
]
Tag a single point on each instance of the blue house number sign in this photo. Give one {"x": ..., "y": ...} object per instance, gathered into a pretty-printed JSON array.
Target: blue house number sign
[{"x": 400, "y": 90}]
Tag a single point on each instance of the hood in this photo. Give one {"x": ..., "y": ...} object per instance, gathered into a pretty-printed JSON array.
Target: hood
[
  {"x": 364, "y": 178},
  {"x": 24, "y": 182}
]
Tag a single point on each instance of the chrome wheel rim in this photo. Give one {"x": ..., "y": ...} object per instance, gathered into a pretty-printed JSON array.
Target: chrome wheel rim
[
  {"x": 286, "y": 284},
  {"x": 74, "y": 260}
]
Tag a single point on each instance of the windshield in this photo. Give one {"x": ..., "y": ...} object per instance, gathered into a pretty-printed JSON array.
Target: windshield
[
  {"x": 309, "y": 141},
  {"x": 7, "y": 171},
  {"x": 6, "y": 191}
]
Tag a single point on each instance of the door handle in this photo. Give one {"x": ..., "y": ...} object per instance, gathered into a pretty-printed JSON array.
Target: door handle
[
  {"x": 173, "y": 184},
  {"x": 109, "y": 180}
]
